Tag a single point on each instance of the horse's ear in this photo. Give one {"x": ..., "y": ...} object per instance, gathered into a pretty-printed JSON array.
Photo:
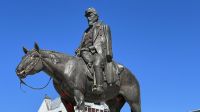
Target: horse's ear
[
  {"x": 36, "y": 47},
  {"x": 25, "y": 50}
]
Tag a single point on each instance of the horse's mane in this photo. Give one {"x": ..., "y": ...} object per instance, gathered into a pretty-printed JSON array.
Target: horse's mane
[{"x": 55, "y": 56}]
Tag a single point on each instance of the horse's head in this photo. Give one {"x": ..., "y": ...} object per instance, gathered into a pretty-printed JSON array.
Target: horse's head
[{"x": 31, "y": 62}]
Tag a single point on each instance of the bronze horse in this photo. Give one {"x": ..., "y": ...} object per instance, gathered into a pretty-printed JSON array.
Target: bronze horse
[{"x": 70, "y": 80}]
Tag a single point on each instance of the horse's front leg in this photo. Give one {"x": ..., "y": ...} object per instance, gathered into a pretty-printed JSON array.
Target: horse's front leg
[{"x": 80, "y": 102}]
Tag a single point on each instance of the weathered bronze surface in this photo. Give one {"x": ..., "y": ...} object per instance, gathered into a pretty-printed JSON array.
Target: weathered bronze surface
[{"x": 73, "y": 77}]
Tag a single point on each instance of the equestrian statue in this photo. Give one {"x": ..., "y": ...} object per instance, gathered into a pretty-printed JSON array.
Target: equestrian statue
[{"x": 92, "y": 75}]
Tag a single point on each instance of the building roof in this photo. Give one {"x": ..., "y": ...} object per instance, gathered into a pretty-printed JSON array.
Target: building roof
[
  {"x": 56, "y": 103},
  {"x": 46, "y": 97}
]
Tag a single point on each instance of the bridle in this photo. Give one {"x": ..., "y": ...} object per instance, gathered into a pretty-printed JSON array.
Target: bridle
[{"x": 35, "y": 88}]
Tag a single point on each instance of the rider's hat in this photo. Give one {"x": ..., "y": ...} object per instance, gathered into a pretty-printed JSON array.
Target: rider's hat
[{"x": 91, "y": 10}]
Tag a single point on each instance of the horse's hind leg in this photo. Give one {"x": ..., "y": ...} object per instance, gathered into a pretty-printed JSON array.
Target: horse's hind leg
[
  {"x": 132, "y": 96},
  {"x": 130, "y": 90},
  {"x": 116, "y": 103},
  {"x": 135, "y": 107}
]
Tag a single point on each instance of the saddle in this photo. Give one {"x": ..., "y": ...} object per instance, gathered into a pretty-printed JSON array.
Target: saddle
[{"x": 111, "y": 73}]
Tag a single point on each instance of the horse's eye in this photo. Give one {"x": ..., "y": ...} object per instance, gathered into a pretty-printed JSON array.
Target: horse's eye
[{"x": 33, "y": 56}]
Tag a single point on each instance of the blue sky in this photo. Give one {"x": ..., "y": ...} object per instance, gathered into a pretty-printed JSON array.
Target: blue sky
[{"x": 158, "y": 40}]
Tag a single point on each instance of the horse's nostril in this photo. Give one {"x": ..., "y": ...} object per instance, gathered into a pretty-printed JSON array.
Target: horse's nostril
[{"x": 19, "y": 71}]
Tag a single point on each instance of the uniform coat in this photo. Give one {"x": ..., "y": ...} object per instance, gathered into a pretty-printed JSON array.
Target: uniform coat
[{"x": 101, "y": 39}]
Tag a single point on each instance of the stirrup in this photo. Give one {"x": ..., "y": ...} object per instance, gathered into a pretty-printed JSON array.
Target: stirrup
[{"x": 94, "y": 88}]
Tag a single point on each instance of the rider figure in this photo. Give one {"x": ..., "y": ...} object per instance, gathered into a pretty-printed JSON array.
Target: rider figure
[{"x": 96, "y": 46}]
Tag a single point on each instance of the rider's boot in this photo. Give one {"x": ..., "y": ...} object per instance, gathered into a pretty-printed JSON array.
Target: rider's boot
[{"x": 99, "y": 80}]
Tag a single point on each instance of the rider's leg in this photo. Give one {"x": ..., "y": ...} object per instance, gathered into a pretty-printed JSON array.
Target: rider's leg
[{"x": 98, "y": 62}]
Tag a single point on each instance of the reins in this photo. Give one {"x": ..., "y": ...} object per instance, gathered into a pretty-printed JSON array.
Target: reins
[{"x": 35, "y": 88}]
